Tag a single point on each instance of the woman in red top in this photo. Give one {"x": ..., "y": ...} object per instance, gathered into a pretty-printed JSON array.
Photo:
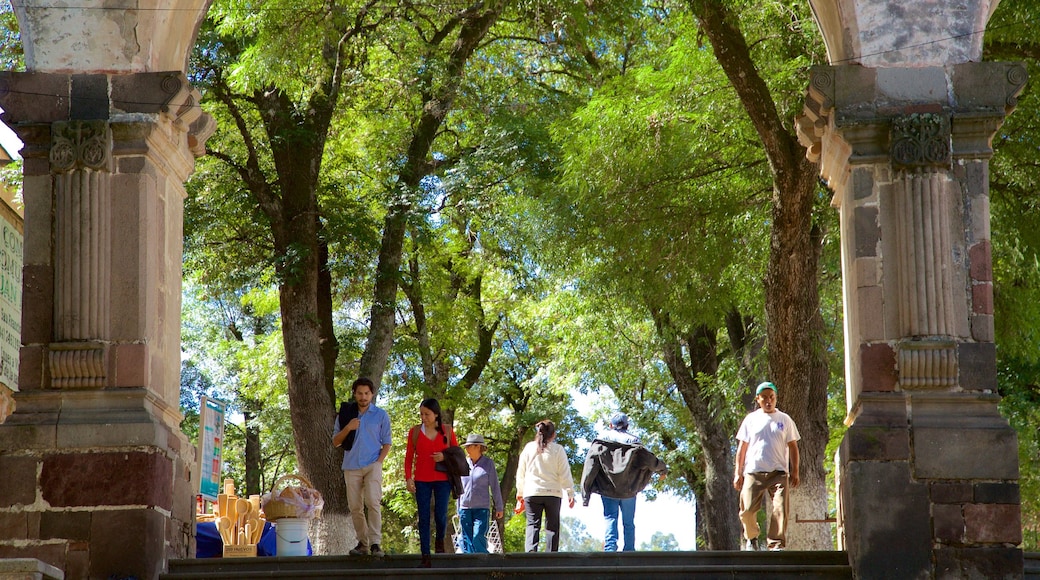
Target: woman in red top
[{"x": 426, "y": 442}]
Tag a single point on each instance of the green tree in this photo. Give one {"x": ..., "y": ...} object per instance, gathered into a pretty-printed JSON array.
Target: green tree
[
  {"x": 760, "y": 74},
  {"x": 661, "y": 542},
  {"x": 575, "y": 537},
  {"x": 274, "y": 80}
]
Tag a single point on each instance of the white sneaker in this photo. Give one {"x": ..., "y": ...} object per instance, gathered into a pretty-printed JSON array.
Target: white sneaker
[{"x": 751, "y": 545}]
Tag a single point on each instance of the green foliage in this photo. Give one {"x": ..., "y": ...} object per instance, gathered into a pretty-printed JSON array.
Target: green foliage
[
  {"x": 595, "y": 167},
  {"x": 661, "y": 542},
  {"x": 232, "y": 352},
  {"x": 12, "y": 54}
]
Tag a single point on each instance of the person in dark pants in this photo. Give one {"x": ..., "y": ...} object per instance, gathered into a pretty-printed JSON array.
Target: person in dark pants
[
  {"x": 543, "y": 478},
  {"x": 426, "y": 444}
]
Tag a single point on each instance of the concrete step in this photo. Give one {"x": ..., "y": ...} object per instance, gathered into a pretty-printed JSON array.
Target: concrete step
[{"x": 561, "y": 566}]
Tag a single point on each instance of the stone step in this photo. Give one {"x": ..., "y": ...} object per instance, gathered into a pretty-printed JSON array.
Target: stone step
[
  {"x": 562, "y": 565},
  {"x": 1032, "y": 565}
]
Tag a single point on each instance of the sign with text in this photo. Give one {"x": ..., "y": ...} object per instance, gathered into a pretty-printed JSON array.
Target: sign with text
[
  {"x": 211, "y": 446},
  {"x": 10, "y": 303}
]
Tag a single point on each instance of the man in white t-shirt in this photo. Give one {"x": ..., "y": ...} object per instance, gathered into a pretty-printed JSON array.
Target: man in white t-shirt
[{"x": 767, "y": 462}]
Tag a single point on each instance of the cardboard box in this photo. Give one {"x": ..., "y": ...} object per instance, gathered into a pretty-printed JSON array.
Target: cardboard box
[{"x": 240, "y": 551}]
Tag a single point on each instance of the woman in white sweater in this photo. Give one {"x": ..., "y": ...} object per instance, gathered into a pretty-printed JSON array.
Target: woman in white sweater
[{"x": 543, "y": 477}]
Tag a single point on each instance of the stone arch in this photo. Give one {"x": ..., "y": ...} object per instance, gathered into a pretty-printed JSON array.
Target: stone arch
[{"x": 106, "y": 112}]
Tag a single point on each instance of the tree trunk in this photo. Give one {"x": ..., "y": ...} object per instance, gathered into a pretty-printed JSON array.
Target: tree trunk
[
  {"x": 297, "y": 155},
  {"x": 252, "y": 456},
  {"x": 718, "y": 510},
  {"x": 797, "y": 360}
]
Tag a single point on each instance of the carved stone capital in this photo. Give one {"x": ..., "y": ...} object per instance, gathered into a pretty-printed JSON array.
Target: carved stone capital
[
  {"x": 910, "y": 117},
  {"x": 32, "y": 101},
  {"x": 921, "y": 140},
  {"x": 79, "y": 145}
]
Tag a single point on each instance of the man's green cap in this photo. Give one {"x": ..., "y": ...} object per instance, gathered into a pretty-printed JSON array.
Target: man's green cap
[{"x": 764, "y": 386}]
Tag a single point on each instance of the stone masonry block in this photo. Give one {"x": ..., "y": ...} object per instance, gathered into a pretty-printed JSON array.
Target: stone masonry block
[
  {"x": 981, "y": 256},
  {"x": 867, "y": 233},
  {"x": 982, "y": 328},
  {"x": 38, "y": 313},
  {"x": 976, "y": 181},
  {"x": 982, "y": 298},
  {"x": 113, "y": 530},
  {"x": 892, "y": 535},
  {"x": 877, "y": 444},
  {"x": 130, "y": 363},
  {"x": 866, "y": 272},
  {"x": 977, "y": 362},
  {"x": 871, "y": 304},
  {"x": 993, "y": 523},
  {"x": 942, "y": 492},
  {"x": 34, "y": 97},
  {"x": 77, "y": 563},
  {"x": 39, "y": 204},
  {"x": 117, "y": 479},
  {"x": 912, "y": 85},
  {"x": 14, "y": 526},
  {"x": 878, "y": 367},
  {"x": 979, "y": 216},
  {"x": 948, "y": 521},
  {"x": 997, "y": 492},
  {"x": 862, "y": 183},
  {"x": 959, "y": 453},
  {"x": 960, "y": 563},
  {"x": 145, "y": 92},
  {"x": 89, "y": 97},
  {"x": 30, "y": 367},
  {"x": 18, "y": 483},
  {"x": 65, "y": 525}
]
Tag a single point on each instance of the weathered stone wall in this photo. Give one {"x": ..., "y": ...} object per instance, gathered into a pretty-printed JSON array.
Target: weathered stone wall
[
  {"x": 98, "y": 477},
  {"x": 928, "y": 468}
]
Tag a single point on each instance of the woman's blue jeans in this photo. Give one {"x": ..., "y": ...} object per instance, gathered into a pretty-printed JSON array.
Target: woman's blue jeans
[
  {"x": 438, "y": 492},
  {"x": 474, "y": 522}
]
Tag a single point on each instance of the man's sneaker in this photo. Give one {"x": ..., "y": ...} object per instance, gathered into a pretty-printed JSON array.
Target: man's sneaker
[
  {"x": 376, "y": 550},
  {"x": 751, "y": 545},
  {"x": 776, "y": 548},
  {"x": 359, "y": 550}
]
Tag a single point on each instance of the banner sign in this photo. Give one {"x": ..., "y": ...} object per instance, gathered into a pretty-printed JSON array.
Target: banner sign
[{"x": 211, "y": 446}]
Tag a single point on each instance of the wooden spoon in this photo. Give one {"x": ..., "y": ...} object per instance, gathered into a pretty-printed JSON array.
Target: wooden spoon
[
  {"x": 224, "y": 527},
  {"x": 258, "y": 529},
  {"x": 242, "y": 508},
  {"x": 232, "y": 511}
]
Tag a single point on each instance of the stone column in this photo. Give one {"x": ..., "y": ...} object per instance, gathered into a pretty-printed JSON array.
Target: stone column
[
  {"x": 928, "y": 469},
  {"x": 97, "y": 475}
]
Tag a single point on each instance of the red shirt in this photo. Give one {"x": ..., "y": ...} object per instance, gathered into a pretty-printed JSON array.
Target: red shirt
[{"x": 420, "y": 451}]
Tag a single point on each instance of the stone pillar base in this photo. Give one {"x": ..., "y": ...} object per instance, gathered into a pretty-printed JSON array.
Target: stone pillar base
[
  {"x": 28, "y": 569},
  {"x": 928, "y": 485},
  {"x": 96, "y": 483}
]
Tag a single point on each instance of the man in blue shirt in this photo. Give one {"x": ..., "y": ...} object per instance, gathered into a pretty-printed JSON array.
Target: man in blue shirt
[{"x": 363, "y": 466}]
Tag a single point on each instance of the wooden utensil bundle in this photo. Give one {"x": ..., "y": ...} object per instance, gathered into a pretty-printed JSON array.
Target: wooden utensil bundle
[{"x": 238, "y": 519}]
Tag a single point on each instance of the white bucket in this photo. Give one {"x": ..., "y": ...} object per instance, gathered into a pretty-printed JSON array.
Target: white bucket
[{"x": 292, "y": 536}]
